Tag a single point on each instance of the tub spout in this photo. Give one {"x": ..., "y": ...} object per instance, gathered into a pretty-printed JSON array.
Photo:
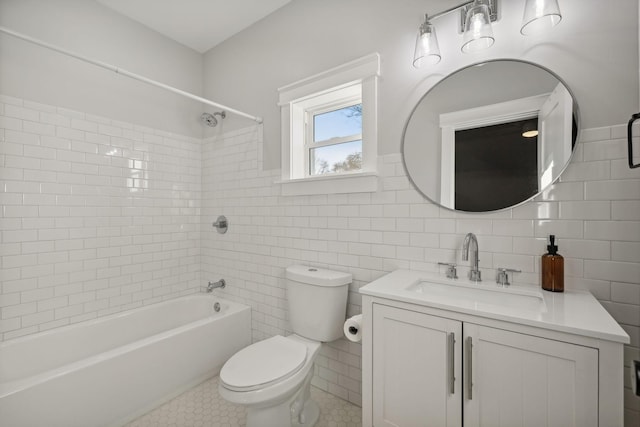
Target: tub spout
[{"x": 213, "y": 285}]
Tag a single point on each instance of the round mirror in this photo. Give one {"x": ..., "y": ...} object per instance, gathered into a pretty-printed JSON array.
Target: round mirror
[{"x": 490, "y": 136}]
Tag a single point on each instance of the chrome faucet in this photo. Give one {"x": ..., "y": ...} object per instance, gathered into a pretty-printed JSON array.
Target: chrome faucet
[
  {"x": 213, "y": 285},
  {"x": 471, "y": 240}
]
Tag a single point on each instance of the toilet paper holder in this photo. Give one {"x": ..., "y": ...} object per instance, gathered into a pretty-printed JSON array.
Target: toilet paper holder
[{"x": 353, "y": 328}]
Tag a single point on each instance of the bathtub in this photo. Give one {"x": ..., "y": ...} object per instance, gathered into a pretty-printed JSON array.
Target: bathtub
[{"x": 108, "y": 371}]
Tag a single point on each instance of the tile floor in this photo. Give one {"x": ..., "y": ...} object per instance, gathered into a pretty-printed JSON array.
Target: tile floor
[{"x": 202, "y": 406}]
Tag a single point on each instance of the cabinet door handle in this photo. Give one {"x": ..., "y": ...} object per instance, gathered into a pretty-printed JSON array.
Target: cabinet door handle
[
  {"x": 470, "y": 367},
  {"x": 452, "y": 349}
]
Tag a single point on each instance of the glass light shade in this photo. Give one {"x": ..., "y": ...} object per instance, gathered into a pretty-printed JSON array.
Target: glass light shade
[
  {"x": 478, "y": 34},
  {"x": 540, "y": 15},
  {"x": 427, "y": 49}
]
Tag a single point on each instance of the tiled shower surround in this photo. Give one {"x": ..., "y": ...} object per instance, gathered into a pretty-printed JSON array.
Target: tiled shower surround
[
  {"x": 101, "y": 216},
  {"x": 98, "y": 216}
]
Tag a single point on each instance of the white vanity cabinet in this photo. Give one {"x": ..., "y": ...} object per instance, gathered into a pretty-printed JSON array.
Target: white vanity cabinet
[
  {"x": 430, "y": 362},
  {"x": 515, "y": 379},
  {"x": 426, "y": 368},
  {"x": 416, "y": 368}
]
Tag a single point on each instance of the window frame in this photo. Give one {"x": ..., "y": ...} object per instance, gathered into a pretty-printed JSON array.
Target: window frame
[{"x": 349, "y": 82}]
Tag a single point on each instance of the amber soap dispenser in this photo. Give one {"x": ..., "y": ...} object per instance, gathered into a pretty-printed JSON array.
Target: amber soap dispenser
[{"x": 552, "y": 268}]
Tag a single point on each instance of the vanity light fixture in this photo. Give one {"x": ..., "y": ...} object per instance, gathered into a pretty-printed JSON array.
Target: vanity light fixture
[
  {"x": 478, "y": 34},
  {"x": 427, "y": 49},
  {"x": 540, "y": 15},
  {"x": 476, "y": 17}
]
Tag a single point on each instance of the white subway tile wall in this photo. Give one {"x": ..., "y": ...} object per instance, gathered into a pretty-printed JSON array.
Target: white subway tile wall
[
  {"x": 594, "y": 211},
  {"x": 100, "y": 216}
]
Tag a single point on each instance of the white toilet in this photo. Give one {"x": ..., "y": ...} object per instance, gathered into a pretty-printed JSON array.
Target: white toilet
[{"x": 272, "y": 377}]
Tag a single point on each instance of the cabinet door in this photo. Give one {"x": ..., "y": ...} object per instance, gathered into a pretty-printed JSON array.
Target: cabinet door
[
  {"x": 416, "y": 369},
  {"x": 524, "y": 381}
]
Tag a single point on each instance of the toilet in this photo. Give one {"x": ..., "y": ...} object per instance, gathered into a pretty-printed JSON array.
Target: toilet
[{"x": 272, "y": 377}]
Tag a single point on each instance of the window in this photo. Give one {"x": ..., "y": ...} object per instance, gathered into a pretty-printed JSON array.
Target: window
[
  {"x": 329, "y": 130},
  {"x": 334, "y": 140}
]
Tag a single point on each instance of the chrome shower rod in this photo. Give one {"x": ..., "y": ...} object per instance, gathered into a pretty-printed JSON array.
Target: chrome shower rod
[{"x": 128, "y": 74}]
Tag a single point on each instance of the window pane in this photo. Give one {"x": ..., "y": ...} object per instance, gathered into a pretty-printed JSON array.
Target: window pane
[
  {"x": 338, "y": 123},
  {"x": 336, "y": 158}
]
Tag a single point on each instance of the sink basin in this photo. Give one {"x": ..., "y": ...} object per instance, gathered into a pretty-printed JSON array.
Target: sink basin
[{"x": 480, "y": 295}]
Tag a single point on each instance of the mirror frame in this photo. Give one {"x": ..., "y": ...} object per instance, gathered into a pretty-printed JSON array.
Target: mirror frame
[{"x": 574, "y": 142}]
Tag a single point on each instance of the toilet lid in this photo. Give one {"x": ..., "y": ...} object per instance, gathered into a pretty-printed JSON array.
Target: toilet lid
[{"x": 262, "y": 363}]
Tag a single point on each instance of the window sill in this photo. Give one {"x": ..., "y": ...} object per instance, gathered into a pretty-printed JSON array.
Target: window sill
[{"x": 361, "y": 182}]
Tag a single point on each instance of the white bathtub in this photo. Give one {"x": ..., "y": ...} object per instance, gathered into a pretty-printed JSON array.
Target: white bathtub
[{"x": 107, "y": 371}]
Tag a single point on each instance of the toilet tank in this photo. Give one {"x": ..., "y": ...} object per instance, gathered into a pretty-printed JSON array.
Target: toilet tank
[{"x": 317, "y": 300}]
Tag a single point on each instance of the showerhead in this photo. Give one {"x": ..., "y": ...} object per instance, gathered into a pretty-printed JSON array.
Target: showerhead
[{"x": 210, "y": 119}]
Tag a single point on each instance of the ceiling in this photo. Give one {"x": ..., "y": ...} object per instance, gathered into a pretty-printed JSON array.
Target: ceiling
[{"x": 198, "y": 24}]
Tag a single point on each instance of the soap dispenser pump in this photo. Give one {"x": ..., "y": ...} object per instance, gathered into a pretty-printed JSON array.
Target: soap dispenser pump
[{"x": 552, "y": 268}]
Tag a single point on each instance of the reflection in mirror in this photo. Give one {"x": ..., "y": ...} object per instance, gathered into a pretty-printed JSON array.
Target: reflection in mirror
[{"x": 490, "y": 136}]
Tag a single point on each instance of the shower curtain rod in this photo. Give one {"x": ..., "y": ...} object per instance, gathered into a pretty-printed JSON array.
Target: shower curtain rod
[{"x": 128, "y": 74}]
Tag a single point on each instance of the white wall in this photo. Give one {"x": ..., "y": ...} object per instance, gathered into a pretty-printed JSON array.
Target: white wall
[
  {"x": 100, "y": 185},
  {"x": 592, "y": 50},
  {"x": 34, "y": 73},
  {"x": 98, "y": 216}
]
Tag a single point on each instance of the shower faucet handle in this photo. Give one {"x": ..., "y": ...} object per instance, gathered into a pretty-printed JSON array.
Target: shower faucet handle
[
  {"x": 451, "y": 272},
  {"x": 221, "y": 224}
]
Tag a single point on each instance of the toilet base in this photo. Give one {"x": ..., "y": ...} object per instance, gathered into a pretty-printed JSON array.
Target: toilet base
[
  {"x": 275, "y": 416},
  {"x": 310, "y": 415},
  {"x": 283, "y": 414}
]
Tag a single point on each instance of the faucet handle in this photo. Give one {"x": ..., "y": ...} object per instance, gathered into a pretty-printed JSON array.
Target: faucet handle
[
  {"x": 451, "y": 272},
  {"x": 221, "y": 224},
  {"x": 502, "y": 276}
]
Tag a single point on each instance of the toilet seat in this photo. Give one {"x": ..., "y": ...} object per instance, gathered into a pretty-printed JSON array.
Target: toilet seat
[{"x": 263, "y": 363}]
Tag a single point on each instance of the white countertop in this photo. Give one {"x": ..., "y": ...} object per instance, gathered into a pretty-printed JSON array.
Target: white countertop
[{"x": 576, "y": 312}]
